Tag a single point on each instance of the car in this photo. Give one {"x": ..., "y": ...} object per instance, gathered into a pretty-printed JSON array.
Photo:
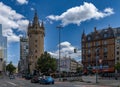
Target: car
[
  {"x": 35, "y": 79},
  {"x": 12, "y": 77},
  {"x": 46, "y": 80},
  {"x": 28, "y": 76}
]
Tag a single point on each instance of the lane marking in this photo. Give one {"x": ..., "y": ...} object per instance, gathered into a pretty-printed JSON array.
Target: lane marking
[{"x": 12, "y": 83}]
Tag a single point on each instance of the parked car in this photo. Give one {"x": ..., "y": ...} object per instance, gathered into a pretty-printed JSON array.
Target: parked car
[
  {"x": 46, "y": 80},
  {"x": 28, "y": 77},
  {"x": 12, "y": 77},
  {"x": 35, "y": 79}
]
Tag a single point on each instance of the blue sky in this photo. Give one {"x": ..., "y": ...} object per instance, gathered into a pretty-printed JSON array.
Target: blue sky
[{"x": 74, "y": 15}]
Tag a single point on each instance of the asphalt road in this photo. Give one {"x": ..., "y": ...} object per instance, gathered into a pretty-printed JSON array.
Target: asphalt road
[{"x": 20, "y": 82}]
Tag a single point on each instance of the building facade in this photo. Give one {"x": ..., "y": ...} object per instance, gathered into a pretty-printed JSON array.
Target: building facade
[
  {"x": 35, "y": 41},
  {"x": 67, "y": 65},
  {"x": 3, "y": 51},
  {"x": 23, "y": 63},
  {"x": 117, "y": 46},
  {"x": 98, "y": 50}
]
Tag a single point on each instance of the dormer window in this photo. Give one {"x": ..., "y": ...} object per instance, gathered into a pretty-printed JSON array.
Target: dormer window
[
  {"x": 105, "y": 35},
  {"x": 83, "y": 39},
  {"x": 97, "y": 37},
  {"x": 89, "y": 38}
]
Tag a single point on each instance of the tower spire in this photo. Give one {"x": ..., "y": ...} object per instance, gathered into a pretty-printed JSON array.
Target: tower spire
[
  {"x": 83, "y": 34},
  {"x": 35, "y": 21},
  {"x": 42, "y": 24}
]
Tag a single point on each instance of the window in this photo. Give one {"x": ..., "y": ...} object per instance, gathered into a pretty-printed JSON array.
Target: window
[
  {"x": 105, "y": 42},
  {"x": 117, "y": 47},
  {"x": 83, "y": 39},
  {"x": 35, "y": 51},
  {"x": 117, "y": 52},
  {"x": 117, "y": 58},
  {"x": 118, "y": 40},
  {"x": 35, "y": 45},
  {"x": 89, "y": 51},
  {"x": 89, "y": 38},
  {"x": 105, "y": 35},
  {"x": 35, "y": 40},
  {"x": 96, "y": 43},
  {"x": 1, "y": 59},
  {"x": 88, "y": 44},
  {"x": 97, "y": 37},
  {"x": 105, "y": 49}
]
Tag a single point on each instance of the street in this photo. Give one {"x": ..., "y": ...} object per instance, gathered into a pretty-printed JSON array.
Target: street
[{"x": 20, "y": 82}]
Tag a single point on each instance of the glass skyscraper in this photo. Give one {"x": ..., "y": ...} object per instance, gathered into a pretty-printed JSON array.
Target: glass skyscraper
[{"x": 3, "y": 50}]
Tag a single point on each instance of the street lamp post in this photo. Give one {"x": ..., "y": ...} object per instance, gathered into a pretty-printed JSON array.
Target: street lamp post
[
  {"x": 97, "y": 51},
  {"x": 96, "y": 69},
  {"x": 59, "y": 28}
]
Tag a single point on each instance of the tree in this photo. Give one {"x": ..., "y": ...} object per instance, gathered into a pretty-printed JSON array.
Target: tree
[
  {"x": 10, "y": 67},
  {"x": 117, "y": 66},
  {"x": 79, "y": 69},
  {"x": 46, "y": 63}
]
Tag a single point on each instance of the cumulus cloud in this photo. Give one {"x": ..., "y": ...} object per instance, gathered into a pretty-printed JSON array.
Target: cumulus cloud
[
  {"x": 67, "y": 50},
  {"x": 32, "y": 9},
  {"x": 78, "y": 14},
  {"x": 11, "y": 20},
  {"x": 22, "y": 1}
]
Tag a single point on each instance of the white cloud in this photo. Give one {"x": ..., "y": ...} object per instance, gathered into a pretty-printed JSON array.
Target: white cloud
[
  {"x": 32, "y": 9},
  {"x": 22, "y": 1},
  {"x": 78, "y": 14},
  {"x": 67, "y": 50},
  {"x": 11, "y": 20}
]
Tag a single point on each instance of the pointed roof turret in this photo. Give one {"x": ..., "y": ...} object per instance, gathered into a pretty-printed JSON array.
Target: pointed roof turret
[
  {"x": 36, "y": 20},
  {"x": 83, "y": 34},
  {"x": 42, "y": 24}
]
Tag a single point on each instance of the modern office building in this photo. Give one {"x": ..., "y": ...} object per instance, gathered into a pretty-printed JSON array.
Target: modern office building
[
  {"x": 117, "y": 45},
  {"x": 3, "y": 51},
  {"x": 23, "y": 63},
  {"x": 36, "y": 33},
  {"x": 98, "y": 50}
]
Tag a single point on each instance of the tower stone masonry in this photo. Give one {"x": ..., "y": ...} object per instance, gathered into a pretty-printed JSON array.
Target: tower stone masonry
[{"x": 36, "y": 41}]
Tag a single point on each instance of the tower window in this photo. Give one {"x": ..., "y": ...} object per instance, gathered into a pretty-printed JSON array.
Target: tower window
[
  {"x": 35, "y": 40},
  {"x": 35, "y": 45},
  {"x": 35, "y": 51},
  {"x": 117, "y": 58}
]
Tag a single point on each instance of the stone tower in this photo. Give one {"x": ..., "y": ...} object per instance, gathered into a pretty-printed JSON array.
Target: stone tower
[{"x": 35, "y": 41}]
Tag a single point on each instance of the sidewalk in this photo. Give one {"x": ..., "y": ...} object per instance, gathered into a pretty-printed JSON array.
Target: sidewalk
[{"x": 102, "y": 82}]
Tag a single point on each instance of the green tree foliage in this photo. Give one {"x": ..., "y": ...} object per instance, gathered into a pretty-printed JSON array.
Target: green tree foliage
[
  {"x": 10, "y": 67},
  {"x": 46, "y": 63},
  {"x": 117, "y": 66},
  {"x": 79, "y": 69}
]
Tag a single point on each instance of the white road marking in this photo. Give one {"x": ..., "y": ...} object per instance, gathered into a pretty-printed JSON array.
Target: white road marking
[{"x": 12, "y": 83}]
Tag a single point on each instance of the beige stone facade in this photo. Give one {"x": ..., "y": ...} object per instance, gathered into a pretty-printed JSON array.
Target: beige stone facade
[{"x": 36, "y": 42}]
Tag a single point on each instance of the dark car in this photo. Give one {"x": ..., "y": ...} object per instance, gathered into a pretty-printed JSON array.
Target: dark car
[
  {"x": 35, "y": 79},
  {"x": 28, "y": 77},
  {"x": 46, "y": 80},
  {"x": 12, "y": 77}
]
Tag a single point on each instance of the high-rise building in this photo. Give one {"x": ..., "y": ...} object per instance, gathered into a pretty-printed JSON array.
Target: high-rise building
[
  {"x": 35, "y": 41},
  {"x": 98, "y": 50},
  {"x": 3, "y": 50},
  {"x": 117, "y": 46},
  {"x": 23, "y": 63}
]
